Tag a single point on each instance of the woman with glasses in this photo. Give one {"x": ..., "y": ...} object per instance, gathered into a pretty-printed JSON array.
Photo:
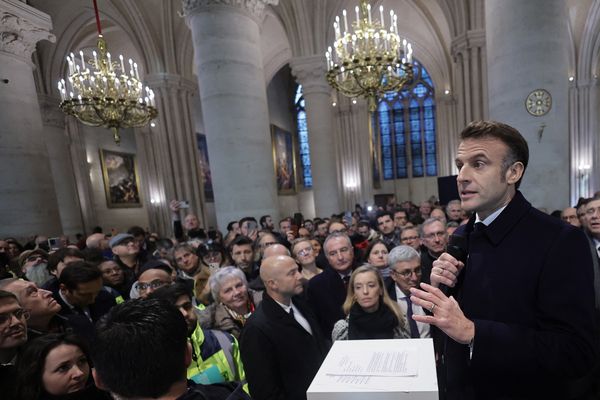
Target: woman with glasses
[
  {"x": 305, "y": 256},
  {"x": 377, "y": 256},
  {"x": 213, "y": 255},
  {"x": 234, "y": 301},
  {"x": 370, "y": 313},
  {"x": 56, "y": 366}
]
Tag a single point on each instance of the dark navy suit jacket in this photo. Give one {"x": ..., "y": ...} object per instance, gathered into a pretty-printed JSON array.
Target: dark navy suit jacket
[
  {"x": 326, "y": 294},
  {"x": 528, "y": 287}
]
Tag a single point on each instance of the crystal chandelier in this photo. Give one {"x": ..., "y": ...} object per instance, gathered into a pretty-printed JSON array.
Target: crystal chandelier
[
  {"x": 370, "y": 59},
  {"x": 106, "y": 92}
]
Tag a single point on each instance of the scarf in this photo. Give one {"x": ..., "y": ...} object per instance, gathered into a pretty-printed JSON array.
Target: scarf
[
  {"x": 376, "y": 325},
  {"x": 240, "y": 318}
]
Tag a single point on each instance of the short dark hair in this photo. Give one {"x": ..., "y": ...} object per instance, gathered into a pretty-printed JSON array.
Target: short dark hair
[
  {"x": 241, "y": 222},
  {"x": 125, "y": 342},
  {"x": 518, "y": 150},
  {"x": 240, "y": 240},
  {"x": 383, "y": 213},
  {"x": 136, "y": 231},
  {"x": 59, "y": 255},
  {"x": 172, "y": 292},
  {"x": 79, "y": 272},
  {"x": 30, "y": 363},
  {"x": 230, "y": 225},
  {"x": 155, "y": 264}
]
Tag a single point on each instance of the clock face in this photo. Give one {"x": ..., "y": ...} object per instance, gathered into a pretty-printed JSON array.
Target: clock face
[{"x": 538, "y": 102}]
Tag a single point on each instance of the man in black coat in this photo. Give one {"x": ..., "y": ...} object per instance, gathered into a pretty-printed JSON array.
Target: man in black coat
[
  {"x": 281, "y": 345},
  {"x": 327, "y": 291},
  {"x": 519, "y": 321}
]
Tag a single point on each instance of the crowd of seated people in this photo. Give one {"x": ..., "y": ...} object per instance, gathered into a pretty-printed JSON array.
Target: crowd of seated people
[{"x": 260, "y": 304}]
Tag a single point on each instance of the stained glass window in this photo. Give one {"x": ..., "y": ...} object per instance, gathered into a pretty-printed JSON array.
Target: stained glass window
[
  {"x": 406, "y": 122},
  {"x": 304, "y": 148}
]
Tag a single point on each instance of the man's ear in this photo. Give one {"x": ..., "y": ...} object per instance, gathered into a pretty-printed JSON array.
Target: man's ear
[
  {"x": 515, "y": 172},
  {"x": 99, "y": 384}
]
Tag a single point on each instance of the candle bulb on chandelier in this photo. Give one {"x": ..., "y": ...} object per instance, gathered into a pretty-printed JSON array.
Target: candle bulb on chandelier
[
  {"x": 381, "y": 17},
  {"x": 369, "y": 12},
  {"x": 336, "y": 29},
  {"x": 357, "y": 15},
  {"x": 396, "y": 24},
  {"x": 137, "y": 75},
  {"x": 95, "y": 58},
  {"x": 122, "y": 64},
  {"x": 82, "y": 60},
  {"x": 391, "y": 20},
  {"x": 345, "y": 22},
  {"x": 109, "y": 62}
]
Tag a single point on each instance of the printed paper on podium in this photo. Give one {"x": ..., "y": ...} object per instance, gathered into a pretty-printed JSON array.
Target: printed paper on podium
[{"x": 378, "y": 370}]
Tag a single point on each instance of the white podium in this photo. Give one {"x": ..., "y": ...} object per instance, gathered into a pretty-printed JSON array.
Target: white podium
[{"x": 395, "y": 369}]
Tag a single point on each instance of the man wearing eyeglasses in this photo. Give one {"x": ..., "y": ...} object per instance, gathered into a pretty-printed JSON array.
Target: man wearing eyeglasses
[
  {"x": 592, "y": 230},
  {"x": 40, "y": 304},
  {"x": 13, "y": 327},
  {"x": 405, "y": 273},
  {"x": 13, "y": 334},
  {"x": 434, "y": 239}
]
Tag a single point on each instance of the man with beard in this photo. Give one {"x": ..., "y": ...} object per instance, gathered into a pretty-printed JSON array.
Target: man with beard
[
  {"x": 34, "y": 265},
  {"x": 242, "y": 255},
  {"x": 215, "y": 354}
]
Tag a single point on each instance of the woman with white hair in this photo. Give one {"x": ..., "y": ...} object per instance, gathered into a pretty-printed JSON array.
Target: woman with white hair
[{"x": 234, "y": 301}]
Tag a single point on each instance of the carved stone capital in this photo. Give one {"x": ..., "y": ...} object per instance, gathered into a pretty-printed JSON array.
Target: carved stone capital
[
  {"x": 254, "y": 8},
  {"x": 467, "y": 40},
  {"x": 310, "y": 72},
  {"x": 170, "y": 81},
  {"x": 51, "y": 113},
  {"x": 21, "y": 27}
]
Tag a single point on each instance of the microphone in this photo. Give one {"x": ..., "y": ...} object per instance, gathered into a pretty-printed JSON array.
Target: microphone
[{"x": 458, "y": 247}]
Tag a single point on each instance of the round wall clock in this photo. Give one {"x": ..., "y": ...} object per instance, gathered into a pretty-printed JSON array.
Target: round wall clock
[{"x": 538, "y": 102}]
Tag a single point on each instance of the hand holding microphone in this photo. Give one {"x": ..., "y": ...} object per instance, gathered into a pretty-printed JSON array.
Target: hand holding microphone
[{"x": 446, "y": 268}]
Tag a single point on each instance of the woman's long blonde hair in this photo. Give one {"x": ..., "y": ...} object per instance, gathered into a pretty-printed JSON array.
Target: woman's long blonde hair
[{"x": 350, "y": 299}]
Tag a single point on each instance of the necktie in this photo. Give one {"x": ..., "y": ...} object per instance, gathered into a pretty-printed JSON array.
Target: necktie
[
  {"x": 414, "y": 329},
  {"x": 479, "y": 227},
  {"x": 346, "y": 280}
]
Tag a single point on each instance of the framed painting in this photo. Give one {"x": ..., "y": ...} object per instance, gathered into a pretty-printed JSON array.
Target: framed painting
[
  {"x": 284, "y": 160},
  {"x": 121, "y": 180},
  {"x": 209, "y": 195}
]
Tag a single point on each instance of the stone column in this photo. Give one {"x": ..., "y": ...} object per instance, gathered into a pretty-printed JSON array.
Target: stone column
[
  {"x": 310, "y": 72},
  {"x": 527, "y": 49},
  {"x": 27, "y": 200},
  {"x": 61, "y": 165},
  {"x": 232, "y": 86},
  {"x": 171, "y": 151}
]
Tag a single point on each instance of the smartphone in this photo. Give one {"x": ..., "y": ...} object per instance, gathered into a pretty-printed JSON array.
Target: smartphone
[
  {"x": 54, "y": 243},
  {"x": 184, "y": 204},
  {"x": 251, "y": 226}
]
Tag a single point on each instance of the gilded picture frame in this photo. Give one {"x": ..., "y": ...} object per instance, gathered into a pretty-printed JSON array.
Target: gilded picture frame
[
  {"x": 284, "y": 160},
  {"x": 121, "y": 179}
]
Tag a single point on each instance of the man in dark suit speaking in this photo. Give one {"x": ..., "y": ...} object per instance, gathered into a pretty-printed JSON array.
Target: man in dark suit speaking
[
  {"x": 281, "y": 345},
  {"x": 519, "y": 312}
]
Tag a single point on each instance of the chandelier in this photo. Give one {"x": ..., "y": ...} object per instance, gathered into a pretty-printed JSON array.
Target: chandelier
[
  {"x": 106, "y": 92},
  {"x": 370, "y": 59}
]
